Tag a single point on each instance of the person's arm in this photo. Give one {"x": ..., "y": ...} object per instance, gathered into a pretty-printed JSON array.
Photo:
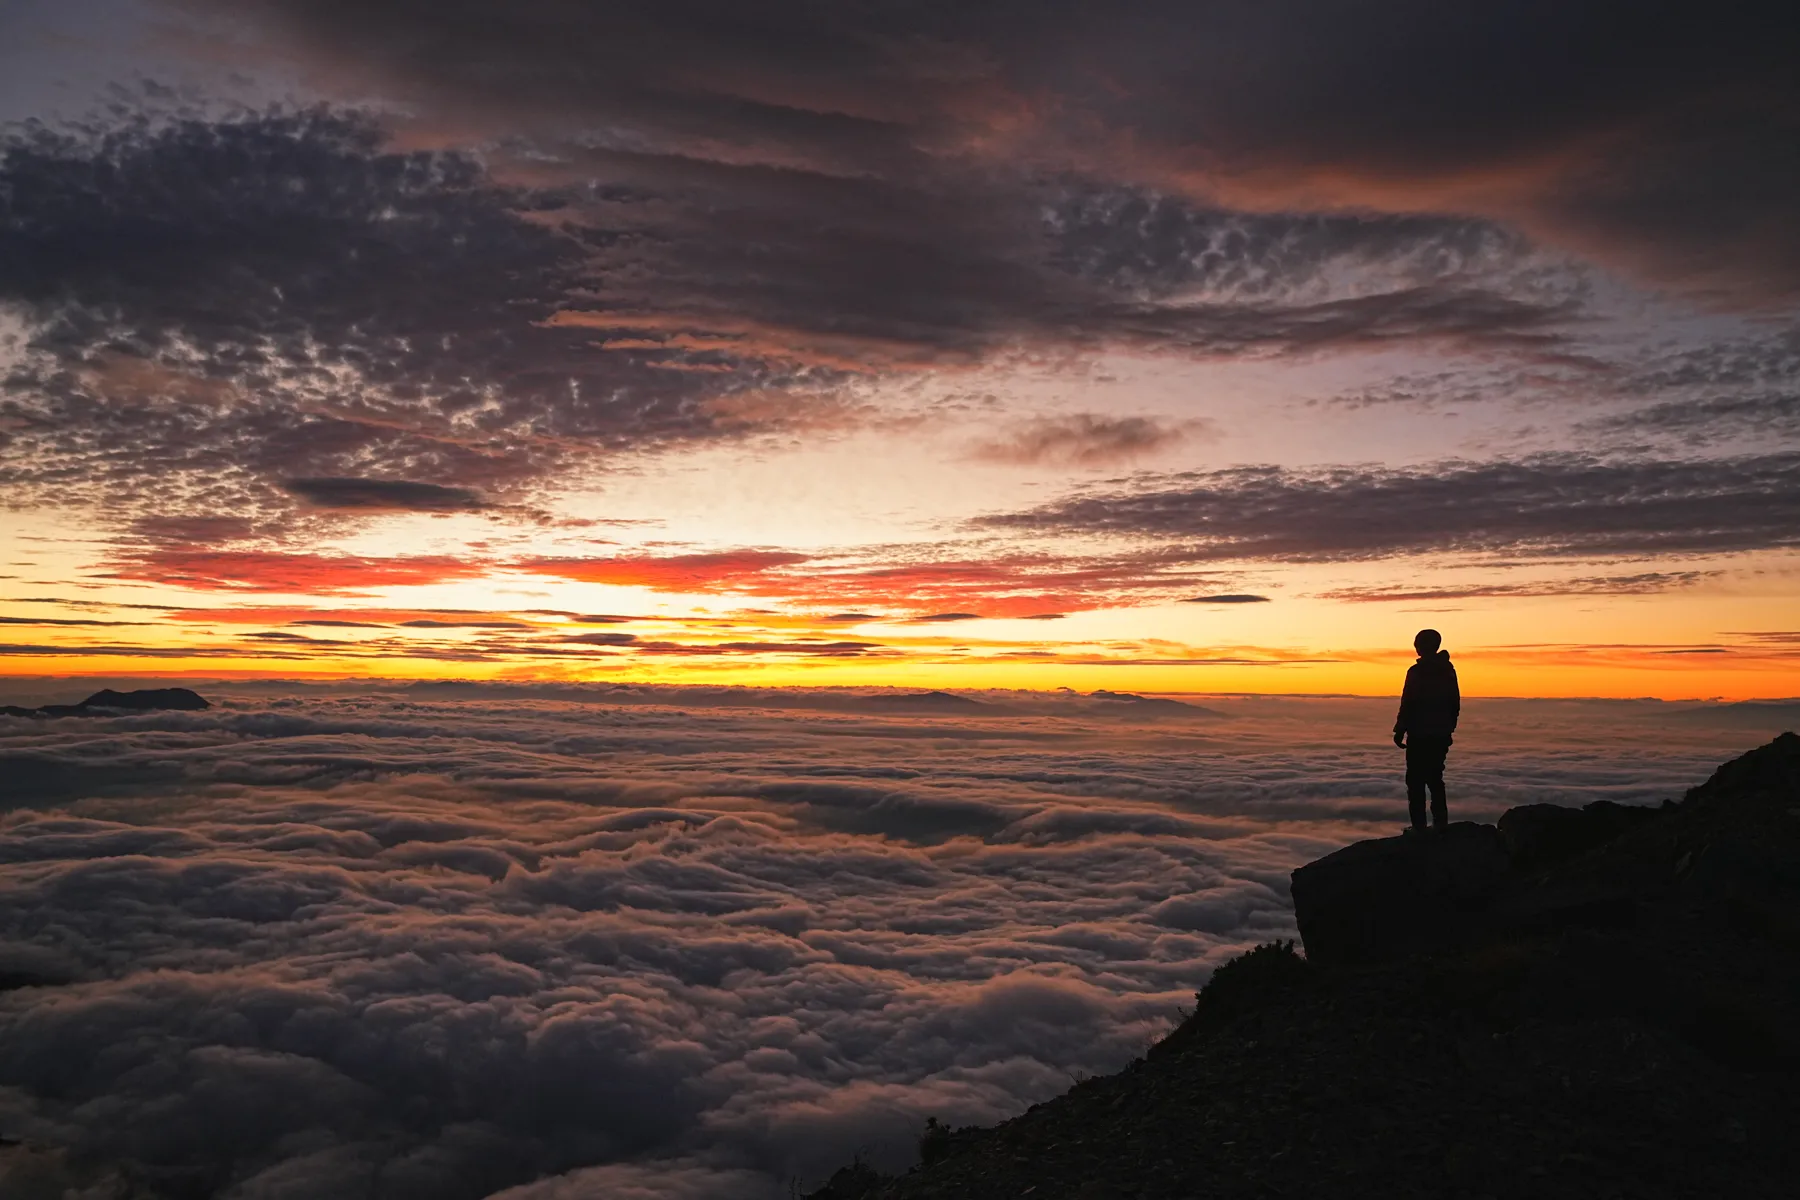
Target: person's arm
[
  {"x": 1406, "y": 696},
  {"x": 1455, "y": 700}
]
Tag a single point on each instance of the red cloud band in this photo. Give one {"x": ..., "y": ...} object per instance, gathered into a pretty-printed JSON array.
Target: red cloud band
[{"x": 300, "y": 574}]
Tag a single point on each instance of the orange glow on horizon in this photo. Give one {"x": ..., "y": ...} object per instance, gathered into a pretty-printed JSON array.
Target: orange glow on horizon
[
  {"x": 895, "y": 617},
  {"x": 1548, "y": 672}
]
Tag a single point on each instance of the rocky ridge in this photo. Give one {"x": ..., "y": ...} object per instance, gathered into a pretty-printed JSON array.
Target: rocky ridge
[{"x": 1579, "y": 1003}]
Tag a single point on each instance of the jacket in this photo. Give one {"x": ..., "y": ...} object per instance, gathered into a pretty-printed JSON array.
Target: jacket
[{"x": 1430, "y": 702}]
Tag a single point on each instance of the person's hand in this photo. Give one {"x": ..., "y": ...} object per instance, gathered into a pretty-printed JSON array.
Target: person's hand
[{"x": 1400, "y": 740}]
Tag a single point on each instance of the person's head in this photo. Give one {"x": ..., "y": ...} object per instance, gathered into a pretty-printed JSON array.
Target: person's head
[{"x": 1427, "y": 641}]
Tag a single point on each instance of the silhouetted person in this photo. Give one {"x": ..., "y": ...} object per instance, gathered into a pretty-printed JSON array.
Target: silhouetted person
[{"x": 1429, "y": 706}]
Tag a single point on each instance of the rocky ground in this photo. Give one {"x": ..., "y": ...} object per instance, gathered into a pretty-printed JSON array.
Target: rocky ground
[{"x": 1616, "y": 1016}]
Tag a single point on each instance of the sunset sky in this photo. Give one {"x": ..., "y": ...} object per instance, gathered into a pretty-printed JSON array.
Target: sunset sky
[
  {"x": 538, "y": 429},
  {"x": 1146, "y": 345}
]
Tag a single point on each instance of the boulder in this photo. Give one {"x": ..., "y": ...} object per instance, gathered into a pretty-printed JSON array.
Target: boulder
[
  {"x": 1387, "y": 898},
  {"x": 1541, "y": 835}
]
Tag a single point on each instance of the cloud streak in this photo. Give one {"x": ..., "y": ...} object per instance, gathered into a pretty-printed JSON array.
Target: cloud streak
[
  {"x": 292, "y": 572},
  {"x": 1082, "y": 440},
  {"x": 1646, "y": 583},
  {"x": 1549, "y": 506},
  {"x": 1756, "y": 419},
  {"x": 385, "y": 495}
]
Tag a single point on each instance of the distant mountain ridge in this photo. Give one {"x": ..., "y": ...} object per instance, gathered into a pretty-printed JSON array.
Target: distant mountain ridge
[
  {"x": 1612, "y": 1012},
  {"x": 921, "y": 702},
  {"x": 1159, "y": 705},
  {"x": 107, "y": 702}
]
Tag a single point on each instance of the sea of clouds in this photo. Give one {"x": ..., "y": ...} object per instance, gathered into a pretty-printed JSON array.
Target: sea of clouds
[{"x": 452, "y": 943}]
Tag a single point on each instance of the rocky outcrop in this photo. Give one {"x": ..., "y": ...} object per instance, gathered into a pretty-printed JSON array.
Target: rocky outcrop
[
  {"x": 108, "y": 703},
  {"x": 1390, "y": 897},
  {"x": 1546, "y": 869}
]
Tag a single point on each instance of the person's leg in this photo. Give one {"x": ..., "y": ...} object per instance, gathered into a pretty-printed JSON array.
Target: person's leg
[
  {"x": 1417, "y": 778},
  {"x": 1440, "y": 801}
]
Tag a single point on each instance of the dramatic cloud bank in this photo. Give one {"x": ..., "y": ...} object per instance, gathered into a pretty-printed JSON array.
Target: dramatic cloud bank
[
  {"x": 251, "y": 311},
  {"x": 1599, "y": 123},
  {"x": 445, "y": 941}
]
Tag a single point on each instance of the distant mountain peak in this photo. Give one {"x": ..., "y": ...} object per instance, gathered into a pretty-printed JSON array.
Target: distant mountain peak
[
  {"x": 178, "y": 698},
  {"x": 924, "y": 702},
  {"x": 1152, "y": 704},
  {"x": 106, "y": 702}
]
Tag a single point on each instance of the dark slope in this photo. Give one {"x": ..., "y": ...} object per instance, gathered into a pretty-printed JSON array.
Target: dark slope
[{"x": 1619, "y": 1023}]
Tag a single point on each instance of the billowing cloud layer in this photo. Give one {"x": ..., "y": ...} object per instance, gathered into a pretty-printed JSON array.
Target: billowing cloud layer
[{"x": 443, "y": 941}]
